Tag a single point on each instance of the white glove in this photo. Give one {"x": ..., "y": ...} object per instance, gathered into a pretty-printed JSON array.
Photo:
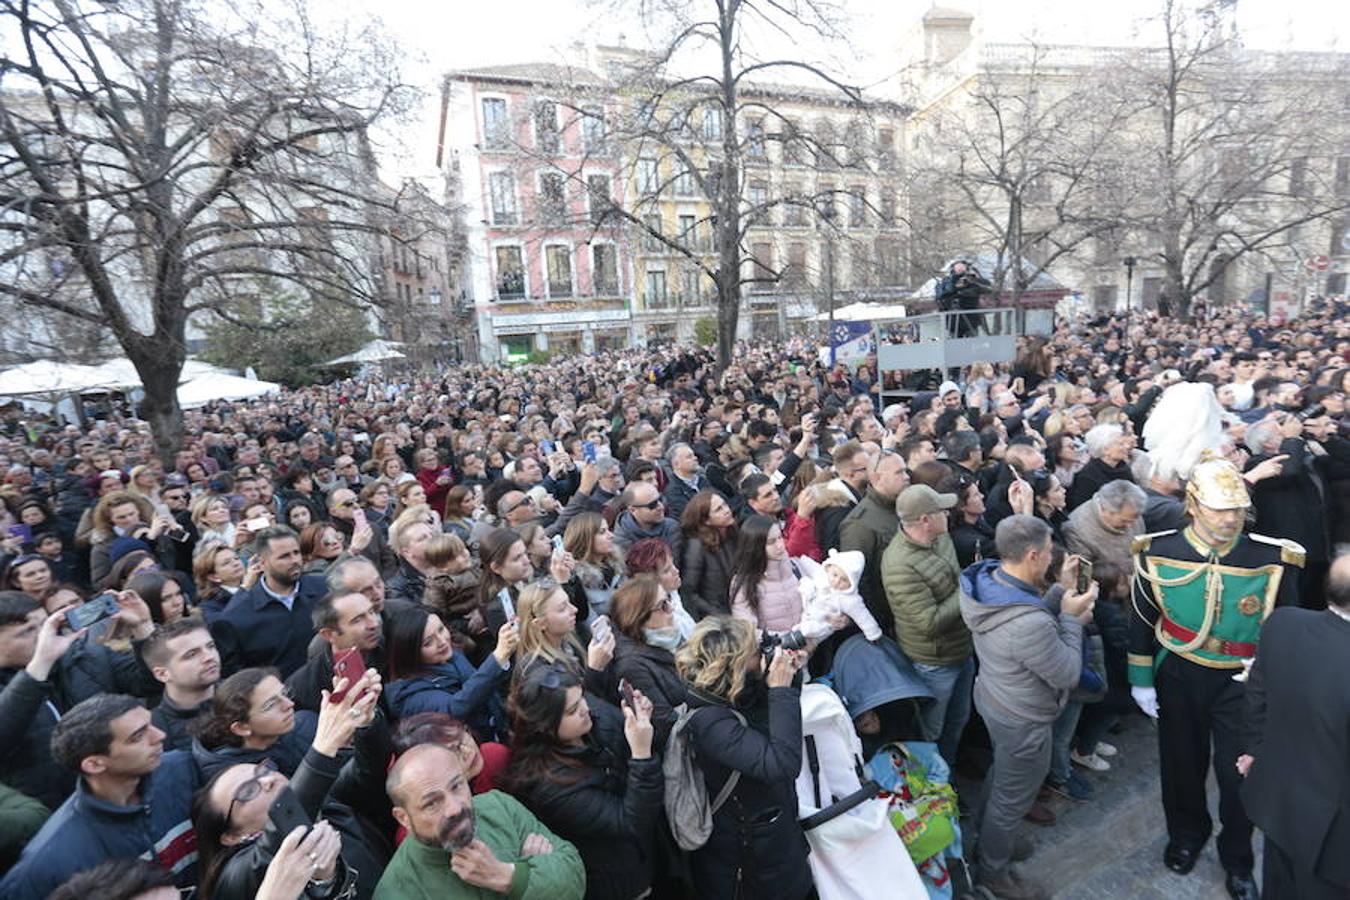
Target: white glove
[{"x": 1147, "y": 700}]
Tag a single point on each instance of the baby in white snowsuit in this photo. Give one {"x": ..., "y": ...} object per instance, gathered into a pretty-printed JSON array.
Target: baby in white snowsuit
[{"x": 831, "y": 588}]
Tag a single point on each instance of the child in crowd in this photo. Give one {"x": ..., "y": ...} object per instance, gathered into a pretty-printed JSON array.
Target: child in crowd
[{"x": 829, "y": 590}]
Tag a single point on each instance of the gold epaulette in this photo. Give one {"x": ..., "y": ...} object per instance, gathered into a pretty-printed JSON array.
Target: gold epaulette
[
  {"x": 1291, "y": 552},
  {"x": 1143, "y": 541}
]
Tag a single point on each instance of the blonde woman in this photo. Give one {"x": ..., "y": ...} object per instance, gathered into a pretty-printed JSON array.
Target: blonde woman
[
  {"x": 548, "y": 636},
  {"x": 746, "y": 719},
  {"x": 125, "y": 514},
  {"x": 211, "y": 515}
]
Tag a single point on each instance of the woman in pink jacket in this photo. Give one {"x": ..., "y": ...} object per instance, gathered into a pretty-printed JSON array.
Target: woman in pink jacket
[{"x": 764, "y": 578}]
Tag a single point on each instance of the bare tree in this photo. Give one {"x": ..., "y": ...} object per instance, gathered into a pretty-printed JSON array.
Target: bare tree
[
  {"x": 155, "y": 163},
  {"x": 1023, "y": 164},
  {"x": 705, "y": 108},
  {"x": 1231, "y": 151}
]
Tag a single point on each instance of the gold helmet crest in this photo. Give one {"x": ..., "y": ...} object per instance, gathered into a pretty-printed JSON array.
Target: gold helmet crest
[{"x": 1217, "y": 484}]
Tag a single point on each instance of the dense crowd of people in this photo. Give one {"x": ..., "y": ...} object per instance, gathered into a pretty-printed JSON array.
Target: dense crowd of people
[{"x": 544, "y": 632}]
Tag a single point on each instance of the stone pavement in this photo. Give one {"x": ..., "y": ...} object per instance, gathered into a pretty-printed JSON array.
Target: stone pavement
[{"x": 1110, "y": 848}]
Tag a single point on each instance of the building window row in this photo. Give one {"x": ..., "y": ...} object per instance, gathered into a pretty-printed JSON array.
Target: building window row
[{"x": 559, "y": 280}]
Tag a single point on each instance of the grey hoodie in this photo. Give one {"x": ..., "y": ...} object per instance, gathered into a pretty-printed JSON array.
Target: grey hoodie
[{"x": 1030, "y": 654}]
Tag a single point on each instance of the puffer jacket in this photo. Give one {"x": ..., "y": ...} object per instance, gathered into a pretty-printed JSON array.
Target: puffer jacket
[
  {"x": 608, "y": 806},
  {"x": 780, "y": 603},
  {"x": 651, "y": 670},
  {"x": 357, "y": 870},
  {"x": 705, "y": 578},
  {"x": 455, "y": 687},
  {"x": 924, "y": 591},
  {"x": 1031, "y": 654}
]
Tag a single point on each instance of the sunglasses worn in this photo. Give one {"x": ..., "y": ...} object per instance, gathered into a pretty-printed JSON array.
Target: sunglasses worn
[
  {"x": 528, "y": 501},
  {"x": 658, "y": 502}
]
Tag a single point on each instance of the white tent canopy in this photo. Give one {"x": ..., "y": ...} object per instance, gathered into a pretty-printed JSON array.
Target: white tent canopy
[
  {"x": 220, "y": 386},
  {"x": 378, "y": 350},
  {"x": 865, "y": 312},
  {"x": 45, "y": 377}
]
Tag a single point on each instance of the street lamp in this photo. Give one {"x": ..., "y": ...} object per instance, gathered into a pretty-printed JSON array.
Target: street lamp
[
  {"x": 1129, "y": 293},
  {"x": 827, "y": 214}
]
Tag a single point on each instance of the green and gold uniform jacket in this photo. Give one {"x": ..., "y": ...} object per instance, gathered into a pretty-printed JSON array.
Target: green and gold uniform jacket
[{"x": 1205, "y": 604}]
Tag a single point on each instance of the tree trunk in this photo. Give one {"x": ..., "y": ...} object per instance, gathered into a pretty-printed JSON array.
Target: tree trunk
[
  {"x": 728, "y": 314},
  {"x": 159, "y": 378}
]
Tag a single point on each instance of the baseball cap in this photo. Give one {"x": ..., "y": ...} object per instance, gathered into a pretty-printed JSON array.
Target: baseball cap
[{"x": 921, "y": 500}]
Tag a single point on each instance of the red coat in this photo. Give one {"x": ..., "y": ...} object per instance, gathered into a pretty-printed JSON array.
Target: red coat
[
  {"x": 435, "y": 492},
  {"x": 800, "y": 536}
]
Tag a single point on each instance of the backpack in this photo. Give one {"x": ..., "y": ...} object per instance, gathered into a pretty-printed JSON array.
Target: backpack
[{"x": 686, "y": 792}]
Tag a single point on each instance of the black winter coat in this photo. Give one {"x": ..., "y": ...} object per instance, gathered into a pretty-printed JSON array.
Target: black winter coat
[
  {"x": 651, "y": 671},
  {"x": 1091, "y": 478},
  {"x": 705, "y": 578},
  {"x": 28, "y": 713},
  {"x": 358, "y": 869},
  {"x": 609, "y": 809},
  {"x": 1294, "y": 503},
  {"x": 762, "y": 811}
]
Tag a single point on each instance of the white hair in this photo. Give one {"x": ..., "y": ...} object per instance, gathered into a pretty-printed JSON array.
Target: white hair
[
  {"x": 1114, "y": 496},
  {"x": 1100, "y": 437}
]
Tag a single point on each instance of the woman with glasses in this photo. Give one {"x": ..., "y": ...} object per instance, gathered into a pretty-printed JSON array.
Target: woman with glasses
[
  {"x": 237, "y": 838},
  {"x": 599, "y": 566},
  {"x": 746, "y": 719},
  {"x": 320, "y": 546},
  {"x": 252, "y": 718},
  {"x": 652, "y": 556},
  {"x": 709, "y": 554},
  {"x": 592, "y": 780},
  {"x": 646, "y": 638},
  {"x": 548, "y": 636},
  {"x": 427, "y": 673}
]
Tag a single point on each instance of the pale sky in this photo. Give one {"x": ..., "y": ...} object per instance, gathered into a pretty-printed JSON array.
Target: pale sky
[{"x": 446, "y": 36}]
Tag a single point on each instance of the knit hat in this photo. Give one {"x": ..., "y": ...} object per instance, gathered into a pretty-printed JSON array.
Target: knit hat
[
  {"x": 121, "y": 546},
  {"x": 948, "y": 387},
  {"x": 851, "y": 562}
]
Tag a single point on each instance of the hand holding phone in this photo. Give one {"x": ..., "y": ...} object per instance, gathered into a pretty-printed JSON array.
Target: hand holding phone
[
  {"x": 359, "y": 517},
  {"x": 1083, "y": 579},
  {"x": 350, "y": 665},
  {"x": 96, "y": 610}
]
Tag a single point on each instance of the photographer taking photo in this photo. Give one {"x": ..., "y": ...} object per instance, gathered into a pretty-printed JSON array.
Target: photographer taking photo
[{"x": 753, "y": 732}]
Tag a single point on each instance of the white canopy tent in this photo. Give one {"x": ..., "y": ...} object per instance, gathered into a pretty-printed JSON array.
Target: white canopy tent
[
  {"x": 221, "y": 386},
  {"x": 378, "y": 350},
  {"x": 864, "y": 312}
]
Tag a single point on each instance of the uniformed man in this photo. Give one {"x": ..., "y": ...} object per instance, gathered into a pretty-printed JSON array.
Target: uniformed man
[{"x": 1200, "y": 597}]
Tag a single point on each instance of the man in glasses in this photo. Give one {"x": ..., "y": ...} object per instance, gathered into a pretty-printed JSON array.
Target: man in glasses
[
  {"x": 495, "y": 845},
  {"x": 131, "y": 800},
  {"x": 363, "y": 539},
  {"x": 644, "y": 516}
]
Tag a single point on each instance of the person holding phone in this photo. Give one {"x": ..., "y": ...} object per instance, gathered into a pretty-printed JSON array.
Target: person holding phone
[
  {"x": 752, "y": 725},
  {"x": 245, "y": 812},
  {"x": 427, "y": 673},
  {"x": 593, "y": 779}
]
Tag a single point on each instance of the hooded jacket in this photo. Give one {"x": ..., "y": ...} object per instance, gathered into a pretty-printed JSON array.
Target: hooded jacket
[{"x": 1030, "y": 653}]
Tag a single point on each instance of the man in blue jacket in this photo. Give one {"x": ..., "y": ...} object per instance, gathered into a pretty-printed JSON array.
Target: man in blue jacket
[
  {"x": 270, "y": 624},
  {"x": 131, "y": 800}
]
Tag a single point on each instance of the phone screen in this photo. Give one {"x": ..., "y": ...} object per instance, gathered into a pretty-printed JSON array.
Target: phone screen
[
  {"x": 626, "y": 690},
  {"x": 94, "y": 611},
  {"x": 1084, "y": 581},
  {"x": 359, "y": 517}
]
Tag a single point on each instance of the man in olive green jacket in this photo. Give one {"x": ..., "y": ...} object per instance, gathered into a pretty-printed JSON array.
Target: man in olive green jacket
[
  {"x": 869, "y": 528},
  {"x": 923, "y": 587}
]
